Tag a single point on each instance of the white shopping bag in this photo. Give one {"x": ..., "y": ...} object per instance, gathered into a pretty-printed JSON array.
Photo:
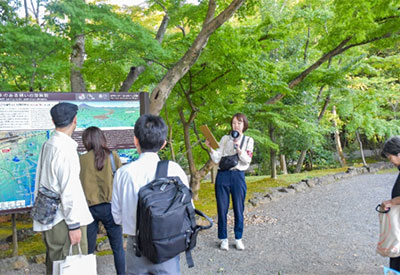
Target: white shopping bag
[
  {"x": 389, "y": 237},
  {"x": 76, "y": 264}
]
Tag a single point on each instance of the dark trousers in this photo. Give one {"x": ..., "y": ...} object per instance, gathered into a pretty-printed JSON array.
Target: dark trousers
[
  {"x": 395, "y": 263},
  {"x": 143, "y": 266},
  {"x": 102, "y": 212},
  {"x": 230, "y": 183}
]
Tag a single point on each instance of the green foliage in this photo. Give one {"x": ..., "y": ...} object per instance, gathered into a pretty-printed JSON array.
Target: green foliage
[{"x": 246, "y": 62}]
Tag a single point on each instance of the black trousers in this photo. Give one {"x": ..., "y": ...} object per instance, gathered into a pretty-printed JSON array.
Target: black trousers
[{"x": 395, "y": 263}]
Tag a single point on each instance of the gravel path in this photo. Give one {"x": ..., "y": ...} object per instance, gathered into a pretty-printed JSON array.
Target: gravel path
[{"x": 329, "y": 229}]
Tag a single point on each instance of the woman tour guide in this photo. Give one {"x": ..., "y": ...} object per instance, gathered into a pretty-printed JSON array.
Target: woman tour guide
[{"x": 234, "y": 156}]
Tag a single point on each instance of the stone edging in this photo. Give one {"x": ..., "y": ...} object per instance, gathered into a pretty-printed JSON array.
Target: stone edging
[{"x": 306, "y": 184}]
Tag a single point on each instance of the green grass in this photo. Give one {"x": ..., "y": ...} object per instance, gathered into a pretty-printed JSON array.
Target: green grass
[
  {"x": 6, "y": 228},
  {"x": 256, "y": 184},
  {"x": 31, "y": 246}
]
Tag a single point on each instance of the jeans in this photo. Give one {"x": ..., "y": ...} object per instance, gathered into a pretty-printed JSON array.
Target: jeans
[
  {"x": 102, "y": 212},
  {"x": 230, "y": 183}
]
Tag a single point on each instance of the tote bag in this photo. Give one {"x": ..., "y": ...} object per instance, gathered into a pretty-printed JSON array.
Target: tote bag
[
  {"x": 389, "y": 237},
  {"x": 76, "y": 264}
]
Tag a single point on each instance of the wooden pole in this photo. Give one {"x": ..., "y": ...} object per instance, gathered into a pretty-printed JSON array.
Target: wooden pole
[{"x": 14, "y": 236}]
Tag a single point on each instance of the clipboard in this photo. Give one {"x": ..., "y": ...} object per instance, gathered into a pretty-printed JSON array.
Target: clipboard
[{"x": 207, "y": 133}]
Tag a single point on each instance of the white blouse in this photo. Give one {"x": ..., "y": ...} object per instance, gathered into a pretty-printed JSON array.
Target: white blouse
[{"x": 226, "y": 148}]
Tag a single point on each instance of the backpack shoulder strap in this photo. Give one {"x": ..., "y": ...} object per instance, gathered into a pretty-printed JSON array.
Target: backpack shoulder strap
[
  {"x": 162, "y": 169},
  {"x": 112, "y": 163},
  {"x": 241, "y": 144}
]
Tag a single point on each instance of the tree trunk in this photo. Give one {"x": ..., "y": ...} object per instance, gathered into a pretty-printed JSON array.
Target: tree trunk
[
  {"x": 77, "y": 59},
  {"x": 132, "y": 77},
  {"x": 320, "y": 116},
  {"x": 361, "y": 148},
  {"x": 26, "y": 11},
  {"x": 283, "y": 164},
  {"x": 171, "y": 147},
  {"x": 161, "y": 92},
  {"x": 338, "y": 144},
  {"x": 272, "y": 154},
  {"x": 195, "y": 175},
  {"x": 300, "y": 162}
]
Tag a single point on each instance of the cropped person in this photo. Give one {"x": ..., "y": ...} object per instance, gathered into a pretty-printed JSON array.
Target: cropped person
[
  {"x": 391, "y": 150},
  {"x": 97, "y": 180},
  {"x": 232, "y": 182},
  {"x": 58, "y": 171},
  {"x": 150, "y": 137}
]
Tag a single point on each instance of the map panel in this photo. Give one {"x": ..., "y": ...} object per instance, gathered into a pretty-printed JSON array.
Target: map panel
[{"x": 19, "y": 152}]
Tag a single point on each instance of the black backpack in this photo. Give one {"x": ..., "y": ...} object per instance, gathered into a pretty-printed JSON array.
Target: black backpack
[{"x": 165, "y": 222}]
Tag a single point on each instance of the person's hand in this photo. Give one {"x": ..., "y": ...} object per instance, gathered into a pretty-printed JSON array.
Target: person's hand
[
  {"x": 237, "y": 147},
  {"x": 75, "y": 236},
  {"x": 386, "y": 205},
  {"x": 208, "y": 143}
]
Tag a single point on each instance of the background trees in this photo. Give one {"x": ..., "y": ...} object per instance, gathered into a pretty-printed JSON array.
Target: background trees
[{"x": 289, "y": 65}]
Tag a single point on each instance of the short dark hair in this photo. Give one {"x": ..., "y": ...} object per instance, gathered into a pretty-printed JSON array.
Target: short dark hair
[
  {"x": 241, "y": 117},
  {"x": 391, "y": 147},
  {"x": 151, "y": 131}
]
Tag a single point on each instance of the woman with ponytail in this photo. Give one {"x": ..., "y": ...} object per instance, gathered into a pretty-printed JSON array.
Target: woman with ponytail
[{"x": 97, "y": 179}]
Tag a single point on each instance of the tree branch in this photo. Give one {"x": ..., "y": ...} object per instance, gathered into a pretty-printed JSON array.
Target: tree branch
[
  {"x": 338, "y": 50},
  {"x": 212, "y": 81},
  {"x": 313, "y": 67},
  {"x": 162, "y": 29},
  {"x": 182, "y": 29},
  {"x": 324, "y": 107},
  {"x": 198, "y": 138},
  {"x": 210, "y": 12},
  {"x": 157, "y": 62},
  {"x": 160, "y": 93},
  {"x": 306, "y": 47},
  {"x": 364, "y": 42}
]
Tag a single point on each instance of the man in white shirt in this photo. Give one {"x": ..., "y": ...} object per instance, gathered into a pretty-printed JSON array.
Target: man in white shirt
[
  {"x": 58, "y": 170},
  {"x": 150, "y": 137}
]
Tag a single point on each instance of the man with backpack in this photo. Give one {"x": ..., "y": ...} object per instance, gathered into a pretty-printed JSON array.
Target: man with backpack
[{"x": 150, "y": 137}]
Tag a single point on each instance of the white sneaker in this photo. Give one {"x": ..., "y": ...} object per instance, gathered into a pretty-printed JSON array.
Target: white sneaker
[
  {"x": 224, "y": 244},
  {"x": 239, "y": 244}
]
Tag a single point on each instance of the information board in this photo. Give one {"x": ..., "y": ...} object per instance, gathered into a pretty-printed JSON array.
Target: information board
[{"x": 25, "y": 124}]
